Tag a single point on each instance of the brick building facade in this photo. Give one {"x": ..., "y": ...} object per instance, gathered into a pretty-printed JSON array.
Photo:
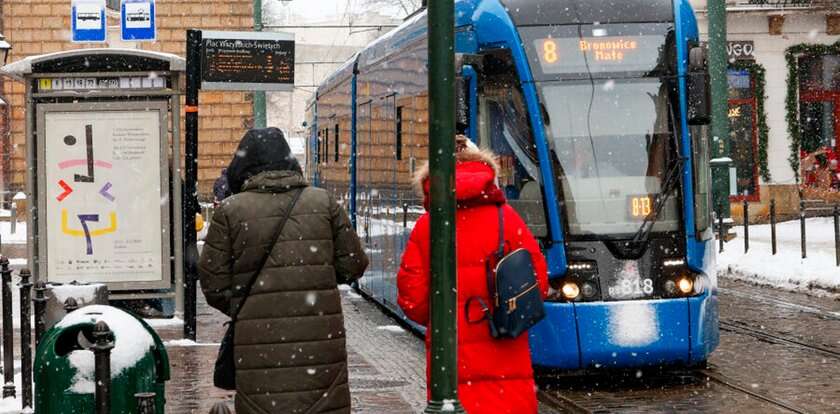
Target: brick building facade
[{"x": 36, "y": 27}]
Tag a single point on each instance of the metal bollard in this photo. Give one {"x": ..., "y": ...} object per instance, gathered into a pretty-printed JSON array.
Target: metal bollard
[
  {"x": 773, "y": 225},
  {"x": 8, "y": 331},
  {"x": 70, "y": 305},
  {"x": 721, "y": 231},
  {"x": 145, "y": 402},
  {"x": 40, "y": 305},
  {"x": 802, "y": 228},
  {"x": 746, "y": 226},
  {"x": 13, "y": 218},
  {"x": 837, "y": 234},
  {"x": 405, "y": 215},
  {"x": 102, "y": 345},
  {"x": 220, "y": 408},
  {"x": 25, "y": 338}
]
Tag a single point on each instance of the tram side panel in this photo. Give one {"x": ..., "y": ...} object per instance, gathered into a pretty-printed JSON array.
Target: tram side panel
[{"x": 392, "y": 133}]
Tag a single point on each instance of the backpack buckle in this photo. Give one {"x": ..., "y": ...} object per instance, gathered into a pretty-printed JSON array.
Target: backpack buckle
[{"x": 511, "y": 303}]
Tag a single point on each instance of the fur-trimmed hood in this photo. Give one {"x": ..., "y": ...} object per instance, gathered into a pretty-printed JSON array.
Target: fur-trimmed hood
[{"x": 475, "y": 178}]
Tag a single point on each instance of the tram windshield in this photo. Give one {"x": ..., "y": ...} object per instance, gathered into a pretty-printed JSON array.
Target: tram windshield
[
  {"x": 606, "y": 93},
  {"x": 612, "y": 139}
]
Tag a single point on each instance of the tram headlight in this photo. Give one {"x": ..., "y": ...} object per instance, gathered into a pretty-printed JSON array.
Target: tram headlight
[
  {"x": 589, "y": 290},
  {"x": 570, "y": 290},
  {"x": 685, "y": 284},
  {"x": 671, "y": 287}
]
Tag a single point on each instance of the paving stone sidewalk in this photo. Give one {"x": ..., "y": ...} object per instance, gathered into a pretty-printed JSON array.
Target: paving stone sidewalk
[{"x": 387, "y": 364}]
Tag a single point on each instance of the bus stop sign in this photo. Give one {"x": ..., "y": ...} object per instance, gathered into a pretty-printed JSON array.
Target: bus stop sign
[
  {"x": 88, "y": 21},
  {"x": 138, "y": 20}
]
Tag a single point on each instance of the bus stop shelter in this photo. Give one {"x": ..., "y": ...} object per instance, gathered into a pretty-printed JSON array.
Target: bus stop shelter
[{"x": 103, "y": 153}]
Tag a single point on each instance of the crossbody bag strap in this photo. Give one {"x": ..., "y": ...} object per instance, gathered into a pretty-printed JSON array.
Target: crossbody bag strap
[{"x": 268, "y": 251}]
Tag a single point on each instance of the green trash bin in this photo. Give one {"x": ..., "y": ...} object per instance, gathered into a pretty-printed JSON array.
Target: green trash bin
[{"x": 64, "y": 364}]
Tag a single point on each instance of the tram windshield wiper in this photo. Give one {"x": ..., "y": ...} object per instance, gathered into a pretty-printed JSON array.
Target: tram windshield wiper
[{"x": 671, "y": 181}]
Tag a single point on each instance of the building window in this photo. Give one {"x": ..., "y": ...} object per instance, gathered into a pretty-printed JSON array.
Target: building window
[
  {"x": 399, "y": 134},
  {"x": 743, "y": 132},
  {"x": 336, "y": 142},
  {"x": 819, "y": 116}
]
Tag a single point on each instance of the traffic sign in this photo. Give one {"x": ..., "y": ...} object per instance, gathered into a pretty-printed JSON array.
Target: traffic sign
[
  {"x": 137, "y": 20},
  {"x": 87, "y": 19}
]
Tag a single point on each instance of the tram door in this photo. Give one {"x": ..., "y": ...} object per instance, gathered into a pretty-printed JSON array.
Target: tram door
[
  {"x": 363, "y": 169},
  {"x": 504, "y": 128}
]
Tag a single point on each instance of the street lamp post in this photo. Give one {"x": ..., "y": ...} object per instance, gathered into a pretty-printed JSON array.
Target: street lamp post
[
  {"x": 444, "y": 296},
  {"x": 5, "y": 48},
  {"x": 718, "y": 64},
  {"x": 260, "y": 120}
]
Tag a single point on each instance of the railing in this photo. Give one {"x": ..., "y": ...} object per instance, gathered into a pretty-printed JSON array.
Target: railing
[{"x": 803, "y": 235}]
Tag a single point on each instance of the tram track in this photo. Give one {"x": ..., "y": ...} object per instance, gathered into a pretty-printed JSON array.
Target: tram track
[
  {"x": 563, "y": 403},
  {"x": 789, "y": 305},
  {"x": 709, "y": 375},
  {"x": 743, "y": 329}
]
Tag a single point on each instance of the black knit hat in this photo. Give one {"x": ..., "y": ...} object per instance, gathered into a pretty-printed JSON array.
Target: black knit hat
[{"x": 260, "y": 150}]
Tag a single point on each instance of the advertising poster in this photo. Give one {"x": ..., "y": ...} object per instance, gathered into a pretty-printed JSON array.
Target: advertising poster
[{"x": 103, "y": 193}]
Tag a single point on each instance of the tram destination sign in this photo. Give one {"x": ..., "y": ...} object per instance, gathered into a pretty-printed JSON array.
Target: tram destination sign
[{"x": 247, "y": 61}]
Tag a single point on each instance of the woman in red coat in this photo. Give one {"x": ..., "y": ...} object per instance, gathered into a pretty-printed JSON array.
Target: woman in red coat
[{"x": 494, "y": 375}]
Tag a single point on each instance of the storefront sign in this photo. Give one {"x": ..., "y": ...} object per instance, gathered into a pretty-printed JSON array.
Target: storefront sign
[
  {"x": 252, "y": 61},
  {"x": 770, "y": 5},
  {"x": 740, "y": 50}
]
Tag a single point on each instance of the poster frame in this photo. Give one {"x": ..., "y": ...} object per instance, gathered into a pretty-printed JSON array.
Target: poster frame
[{"x": 165, "y": 282}]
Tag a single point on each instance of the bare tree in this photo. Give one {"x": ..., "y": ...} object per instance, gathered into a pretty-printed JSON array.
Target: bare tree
[{"x": 407, "y": 6}]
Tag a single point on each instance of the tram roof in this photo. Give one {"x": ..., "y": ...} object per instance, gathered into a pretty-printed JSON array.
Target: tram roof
[{"x": 557, "y": 12}]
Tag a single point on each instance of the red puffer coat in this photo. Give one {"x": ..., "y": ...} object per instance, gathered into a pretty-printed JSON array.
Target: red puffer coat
[{"x": 494, "y": 375}]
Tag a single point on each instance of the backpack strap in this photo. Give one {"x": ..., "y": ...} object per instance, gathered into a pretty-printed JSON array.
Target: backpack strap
[{"x": 501, "y": 252}]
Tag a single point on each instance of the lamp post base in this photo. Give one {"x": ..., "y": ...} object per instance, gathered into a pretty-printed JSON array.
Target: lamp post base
[{"x": 445, "y": 406}]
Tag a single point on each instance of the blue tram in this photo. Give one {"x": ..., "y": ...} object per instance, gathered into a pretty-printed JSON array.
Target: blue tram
[{"x": 598, "y": 110}]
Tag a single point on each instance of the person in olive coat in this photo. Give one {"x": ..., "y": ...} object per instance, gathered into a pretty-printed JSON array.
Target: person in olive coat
[{"x": 289, "y": 341}]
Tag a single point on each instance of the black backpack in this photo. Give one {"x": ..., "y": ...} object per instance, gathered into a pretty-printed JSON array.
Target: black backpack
[{"x": 514, "y": 291}]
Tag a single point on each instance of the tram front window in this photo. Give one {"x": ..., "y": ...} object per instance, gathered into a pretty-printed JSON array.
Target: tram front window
[{"x": 614, "y": 146}]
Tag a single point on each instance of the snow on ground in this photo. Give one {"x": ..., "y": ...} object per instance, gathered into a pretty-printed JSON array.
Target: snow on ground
[
  {"x": 164, "y": 322},
  {"x": 175, "y": 343},
  {"x": 6, "y": 233},
  {"x": 391, "y": 328},
  {"x": 13, "y": 405},
  {"x": 817, "y": 273}
]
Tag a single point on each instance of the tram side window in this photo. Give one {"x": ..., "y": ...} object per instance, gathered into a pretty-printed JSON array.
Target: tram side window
[
  {"x": 702, "y": 181},
  {"x": 318, "y": 148},
  {"x": 326, "y": 145},
  {"x": 399, "y": 133},
  {"x": 336, "y": 142}
]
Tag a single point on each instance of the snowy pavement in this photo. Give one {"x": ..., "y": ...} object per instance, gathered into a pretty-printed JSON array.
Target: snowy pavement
[{"x": 818, "y": 273}]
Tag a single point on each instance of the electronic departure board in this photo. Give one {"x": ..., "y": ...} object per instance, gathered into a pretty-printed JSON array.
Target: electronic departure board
[{"x": 248, "y": 61}]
